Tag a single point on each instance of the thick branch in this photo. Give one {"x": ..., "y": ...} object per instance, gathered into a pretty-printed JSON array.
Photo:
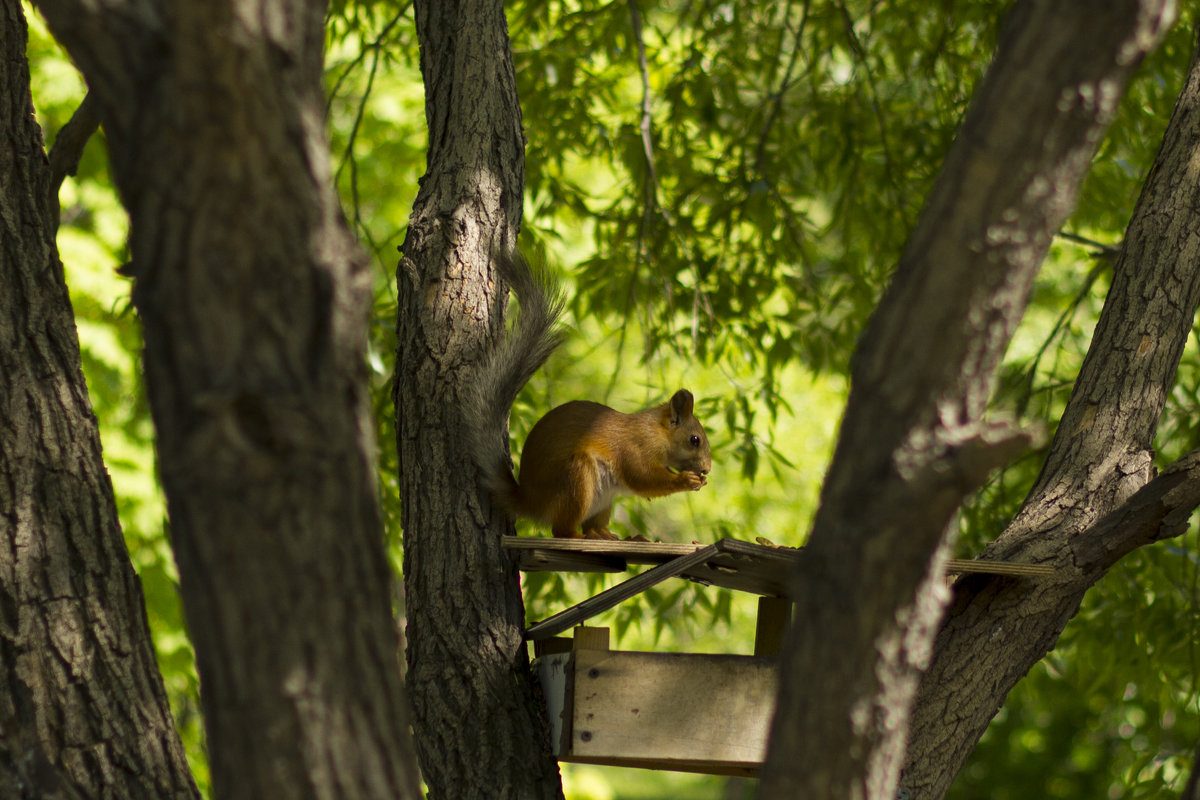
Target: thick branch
[
  {"x": 1160, "y": 510},
  {"x": 965, "y": 458},
  {"x": 1100, "y": 458},
  {"x": 923, "y": 373}
]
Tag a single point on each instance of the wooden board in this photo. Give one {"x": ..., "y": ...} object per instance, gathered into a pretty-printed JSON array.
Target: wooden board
[
  {"x": 552, "y": 673},
  {"x": 622, "y": 591},
  {"x": 744, "y": 566},
  {"x": 677, "y": 711}
]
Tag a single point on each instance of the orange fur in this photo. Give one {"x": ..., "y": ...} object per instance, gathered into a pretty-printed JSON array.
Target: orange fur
[{"x": 582, "y": 454}]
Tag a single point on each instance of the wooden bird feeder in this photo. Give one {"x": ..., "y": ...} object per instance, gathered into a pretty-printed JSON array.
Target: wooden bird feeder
[{"x": 674, "y": 711}]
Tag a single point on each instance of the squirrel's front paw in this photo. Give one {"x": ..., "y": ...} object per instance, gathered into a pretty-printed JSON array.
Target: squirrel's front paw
[{"x": 695, "y": 481}]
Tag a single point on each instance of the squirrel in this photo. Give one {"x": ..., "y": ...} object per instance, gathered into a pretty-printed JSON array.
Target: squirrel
[{"x": 580, "y": 455}]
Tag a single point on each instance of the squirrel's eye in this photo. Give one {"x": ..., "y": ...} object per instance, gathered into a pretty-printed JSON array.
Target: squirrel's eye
[{"x": 695, "y": 441}]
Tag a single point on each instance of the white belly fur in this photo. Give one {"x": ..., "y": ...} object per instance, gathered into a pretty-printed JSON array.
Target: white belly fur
[{"x": 607, "y": 488}]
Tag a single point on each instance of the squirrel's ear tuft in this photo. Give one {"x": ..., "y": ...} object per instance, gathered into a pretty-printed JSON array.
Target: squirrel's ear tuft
[{"x": 681, "y": 406}]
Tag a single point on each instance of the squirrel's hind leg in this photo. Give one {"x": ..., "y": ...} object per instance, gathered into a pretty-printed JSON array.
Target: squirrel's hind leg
[
  {"x": 565, "y": 521},
  {"x": 596, "y": 526}
]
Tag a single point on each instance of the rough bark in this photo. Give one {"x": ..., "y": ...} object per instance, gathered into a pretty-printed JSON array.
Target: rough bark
[
  {"x": 1096, "y": 498},
  {"x": 253, "y": 300},
  {"x": 912, "y": 441},
  {"x": 480, "y": 726},
  {"x": 83, "y": 712}
]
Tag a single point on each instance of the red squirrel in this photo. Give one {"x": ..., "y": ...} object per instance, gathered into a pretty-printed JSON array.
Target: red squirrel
[{"x": 580, "y": 455}]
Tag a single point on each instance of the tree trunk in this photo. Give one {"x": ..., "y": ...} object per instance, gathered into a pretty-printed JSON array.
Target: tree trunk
[
  {"x": 913, "y": 442},
  {"x": 480, "y": 725},
  {"x": 83, "y": 713},
  {"x": 1096, "y": 498},
  {"x": 253, "y": 298}
]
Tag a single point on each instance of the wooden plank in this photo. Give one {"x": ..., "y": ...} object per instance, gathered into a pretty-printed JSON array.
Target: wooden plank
[
  {"x": 744, "y": 566},
  {"x": 614, "y": 595},
  {"x": 672, "y": 765},
  {"x": 534, "y": 560},
  {"x": 960, "y": 566},
  {"x": 762, "y": 576},
  {"x": 552, "y": 646},
  {"x": 588, "y": 638},
  {"x": 774, "y": 617},
  {"x": 582, "y": 638},
  {"x": 623, "y": 548},
  {"x": 682, "y": 711},
  {"x": 552, "y": 672}
]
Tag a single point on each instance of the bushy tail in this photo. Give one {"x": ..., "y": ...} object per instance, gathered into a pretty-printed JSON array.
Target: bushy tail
[{"x": 520, "y": 352}]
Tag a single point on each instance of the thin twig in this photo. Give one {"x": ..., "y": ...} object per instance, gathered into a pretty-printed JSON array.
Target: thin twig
[
  {"x": 784, "y": 84},
  {"x": 376, "y": 50},
  {"x": 68, "y": 147},
  {"x": 1059, "y": 326},
  {"x": 1099, "y": 249},
  {"x": 860, "y": 52},
  {"x": 352, "y": 64},
  {"x": 651, "y": 182}
]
